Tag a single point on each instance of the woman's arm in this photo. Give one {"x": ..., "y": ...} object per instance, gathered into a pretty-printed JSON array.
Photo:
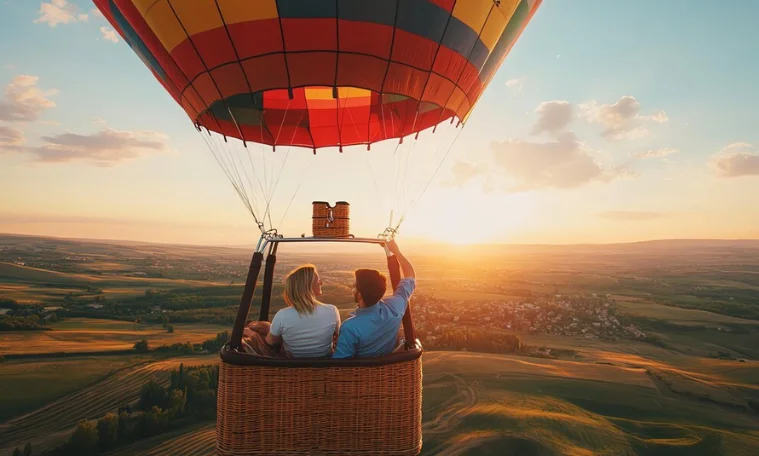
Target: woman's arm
[
  {"x": 336, "y": 334},
  {"x": 273, "y": 340}
]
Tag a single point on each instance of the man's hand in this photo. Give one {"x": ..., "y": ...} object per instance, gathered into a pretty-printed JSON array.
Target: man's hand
[
  {"x": 406, "y": 269},
  {"x": 392, "y": 246}
]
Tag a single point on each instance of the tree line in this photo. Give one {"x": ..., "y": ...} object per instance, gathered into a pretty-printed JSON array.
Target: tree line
[
  {"x": 189, "y": 397},
  {"x": 471, "y": 339},
  {"x": 209, "y": 345},
  {"x": 21, "y": 317}
]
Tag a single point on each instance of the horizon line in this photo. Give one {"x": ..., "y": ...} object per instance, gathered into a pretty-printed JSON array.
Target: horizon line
[{"x": 410, "y": 242}]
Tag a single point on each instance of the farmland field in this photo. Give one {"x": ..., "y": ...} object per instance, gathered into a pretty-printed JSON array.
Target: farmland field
[
  {"x": 52, "y": 422},
  {"x": 477, "y": 404},
  {"x": 87, "y": 335},
  {"x": 27, "y": 384},
  {"x": 639, "y": 349}
]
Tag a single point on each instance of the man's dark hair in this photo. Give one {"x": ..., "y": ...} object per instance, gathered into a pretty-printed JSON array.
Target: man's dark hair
[{"x": 372, "y": 285}]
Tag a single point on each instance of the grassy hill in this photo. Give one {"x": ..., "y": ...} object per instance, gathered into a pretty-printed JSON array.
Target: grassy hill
[{"x": 480, "y": 404}]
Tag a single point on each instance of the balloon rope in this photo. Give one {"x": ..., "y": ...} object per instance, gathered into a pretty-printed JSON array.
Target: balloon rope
[
  {"x": 225, "y": 168},
  {"x": 369, "y": 163},
  {"x": 297, "y": 189},
  {"x": 279, "y": 174},
  {"x": 424, "y": 190},
  {"x": 249, "y": 153}
]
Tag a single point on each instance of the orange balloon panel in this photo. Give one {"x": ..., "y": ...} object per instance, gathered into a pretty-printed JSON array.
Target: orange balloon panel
[{"x": 321, "y": 73}]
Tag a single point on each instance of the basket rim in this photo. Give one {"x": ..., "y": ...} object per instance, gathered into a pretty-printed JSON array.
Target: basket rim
[
  {"x": 246, "y": 359},
  {"x": 342, "y": 203}
]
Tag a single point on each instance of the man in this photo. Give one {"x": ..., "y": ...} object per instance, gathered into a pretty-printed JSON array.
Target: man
[{"x": 373, "y": 330}]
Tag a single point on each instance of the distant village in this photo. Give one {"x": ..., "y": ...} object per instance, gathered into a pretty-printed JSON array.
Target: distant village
[{"x": 587, "y": 316}]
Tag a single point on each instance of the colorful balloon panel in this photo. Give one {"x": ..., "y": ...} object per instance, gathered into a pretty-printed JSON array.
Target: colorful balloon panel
[{"x": 321, "y": 73}]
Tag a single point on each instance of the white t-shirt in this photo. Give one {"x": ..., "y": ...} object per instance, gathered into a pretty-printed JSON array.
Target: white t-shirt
[{"x": 306, "y": 336}]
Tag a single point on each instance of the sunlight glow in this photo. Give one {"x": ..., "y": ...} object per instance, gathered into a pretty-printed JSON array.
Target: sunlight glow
[{"x": 468, "y": 216}]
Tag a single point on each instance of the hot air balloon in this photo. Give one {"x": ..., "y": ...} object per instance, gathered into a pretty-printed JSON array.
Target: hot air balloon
[{"x": 317, "y": 74}]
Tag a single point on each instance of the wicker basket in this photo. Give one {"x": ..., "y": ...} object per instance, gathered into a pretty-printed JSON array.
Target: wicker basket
[
  {"x": 365, "y": 407},
  {"x": 331, "y": 221}
]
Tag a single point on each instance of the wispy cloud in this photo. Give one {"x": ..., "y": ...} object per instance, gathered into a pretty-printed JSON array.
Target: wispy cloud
[
  {"x": 655, "y": 153},
  {"x": 515, "y": 84},
  {"x": 563, "y": 163},
  {"x": 109, "y": 34},
  {"x": 463, "y": 172},
  {"x": 621, "y": 119},
  {"x": 23, "y": 101},
  {"x": 736, "y": 160},
  {"x": 59, "y": 12},
  {"x": 10, "y": 136},
  {"x": 104, "y": 148},
  {"x": 553, "y": 116}
]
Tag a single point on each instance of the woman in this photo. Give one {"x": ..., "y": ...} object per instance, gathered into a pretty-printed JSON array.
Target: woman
[{"x": 306, "y": 328}]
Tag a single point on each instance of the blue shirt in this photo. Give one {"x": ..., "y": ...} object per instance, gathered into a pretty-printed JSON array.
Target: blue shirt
[{"x": 373, "y": 330}]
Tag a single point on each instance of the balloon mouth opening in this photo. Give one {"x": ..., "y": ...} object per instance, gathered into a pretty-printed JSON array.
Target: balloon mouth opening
[{"x": 318, "y": 116}]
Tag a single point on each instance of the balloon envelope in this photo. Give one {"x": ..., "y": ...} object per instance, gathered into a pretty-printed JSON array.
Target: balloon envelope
[{"x": 321, "y": 73}]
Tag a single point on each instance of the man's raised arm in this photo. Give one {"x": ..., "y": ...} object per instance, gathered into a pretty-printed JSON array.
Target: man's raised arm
[{"x": 407, "y": 270}]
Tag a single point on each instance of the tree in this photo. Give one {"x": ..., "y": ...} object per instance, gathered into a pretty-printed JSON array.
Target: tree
[
  {"x": 141, "y": 346},
  {"x": 16, "y": 452},
  {"x": 108, "y": 431},
  {"x": 28, "y": 449},
  {"x": 154, "y": 421},
  {"x": 123, "y": 427},
  {"x": 153, "y": 394},
  {"x": 170, "y": 328},
  {"x": 84, "y": 440},
  {"x": 177, "y": 402}
]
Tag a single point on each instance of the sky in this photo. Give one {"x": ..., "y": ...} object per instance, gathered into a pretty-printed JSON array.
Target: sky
[{"x": 609, "y": 121}]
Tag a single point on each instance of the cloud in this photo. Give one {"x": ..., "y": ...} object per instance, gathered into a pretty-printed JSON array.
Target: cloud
[
  {"x": 553, "y": 116},
  {"x": 463, "y": 172},
  {"x": 515, "y": 84},
  {"x": 631, "y": 216},
  {"x": 735, "y": 160},
  {"x": 109, "y": 34},
  {"x": 10, "y": 136},
  {"x": 622, "y": 119},
  {"x": 24, "y": 101},
  {"x": 96, "y": 12},
  {"x": 563, "y": 163},
  {"x": 104, "y": 148},
  {"x": 59, "y": 12},
  {"x": 658, "y": 153}
]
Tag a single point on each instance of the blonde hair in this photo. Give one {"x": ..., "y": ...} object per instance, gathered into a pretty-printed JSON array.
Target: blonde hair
[{"x": 299, "y": 292}]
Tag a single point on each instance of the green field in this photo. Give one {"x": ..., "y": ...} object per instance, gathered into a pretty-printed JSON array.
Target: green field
[
  {"x": 29, "y": 384},
  {"x": 81, "y": 335},
  {"x": 26, "y": 284},
  {"x": 481, "y": 404},
  {"x": 51, "y": 424}
]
